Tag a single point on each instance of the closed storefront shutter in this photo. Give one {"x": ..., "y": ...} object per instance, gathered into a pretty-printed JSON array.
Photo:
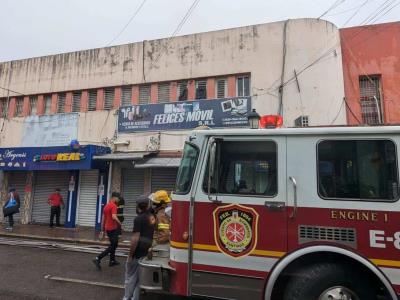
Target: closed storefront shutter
[
  {"x": 17, "y": 180},
  {"x": 45, "y": 183},
  {"x": 163, "y": 179},
  {"x": 87, "y": 198},
  {"x": 132, "y": 186}
]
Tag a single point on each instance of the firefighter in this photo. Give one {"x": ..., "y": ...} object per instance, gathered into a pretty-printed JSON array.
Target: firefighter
[{"x": 160, "y": 201}]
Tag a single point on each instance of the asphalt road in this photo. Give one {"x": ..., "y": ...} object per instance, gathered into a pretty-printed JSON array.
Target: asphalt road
[{"x": 23, "y": 271}]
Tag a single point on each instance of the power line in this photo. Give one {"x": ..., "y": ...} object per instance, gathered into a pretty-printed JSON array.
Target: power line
[
  {"x": 127, "y": 24},
  {"x": 355, "y": 13},
  {"x": 333, "y": 6},
  {"x": 9, "y": 90}
]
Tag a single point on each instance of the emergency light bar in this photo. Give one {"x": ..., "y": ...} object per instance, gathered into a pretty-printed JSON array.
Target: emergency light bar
[{"x": 271, "y": 121}]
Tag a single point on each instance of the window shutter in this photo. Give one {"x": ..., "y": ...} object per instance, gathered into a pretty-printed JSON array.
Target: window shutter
[
  {"x": 61, "y": 103},
  {"x": 76, "y": 101},
  {"x": 144, "y": 94},
  {"x": 126, "y": 97},
  {"x": 221, "y": 88},
  {"x": 33, "y": 105},
  {"x": 92, "y": 101},
  {"x": 163, "y": 92},
  {"x": 47, "y": 104},
  {"x": 201, "y": 89},
  {"x": 109, "y": 98},
  {"x": 19, "y": 108},
  {"x": 182, "y": 91}
]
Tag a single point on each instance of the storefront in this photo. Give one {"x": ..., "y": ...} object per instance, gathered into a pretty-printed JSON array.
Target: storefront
[{"x": 37, "y": 171}]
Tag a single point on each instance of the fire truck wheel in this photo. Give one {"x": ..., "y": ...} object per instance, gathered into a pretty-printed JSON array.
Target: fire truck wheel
[{"x": 330, "y": 281}]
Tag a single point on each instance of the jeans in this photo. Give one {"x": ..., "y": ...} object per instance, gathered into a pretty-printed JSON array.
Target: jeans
[
  {"x": 55, "y": 211},
  {"x": 11, "y": 220},
  {"x": 132, "y": 290},
  {"x": 113, "y": 237}
]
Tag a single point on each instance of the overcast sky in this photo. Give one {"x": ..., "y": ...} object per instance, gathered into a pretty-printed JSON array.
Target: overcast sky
[{"x": 31, "y": 28}]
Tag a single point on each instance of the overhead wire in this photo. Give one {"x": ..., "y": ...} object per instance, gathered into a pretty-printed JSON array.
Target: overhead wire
[
  {"x": 332, "y": 7},
  {"x": 355, "y": 13},
  {"x": 136, "y": 12}
]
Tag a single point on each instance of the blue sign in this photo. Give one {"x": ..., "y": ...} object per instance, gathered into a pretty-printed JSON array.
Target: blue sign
[
  {"x": 227, "y": 112},
  {"x": 49, "y": 158}
]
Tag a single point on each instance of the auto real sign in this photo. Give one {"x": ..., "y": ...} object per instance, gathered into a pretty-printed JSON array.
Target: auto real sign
[{"x": 227, "y": 112}]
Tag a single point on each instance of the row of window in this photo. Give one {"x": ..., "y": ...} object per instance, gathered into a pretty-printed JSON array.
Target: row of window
[
  {"x": 346, "y": 169},
  {"x": 163, "y": 96}
]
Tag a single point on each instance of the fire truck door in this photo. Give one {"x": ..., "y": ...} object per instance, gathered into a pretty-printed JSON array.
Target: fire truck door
[{"x": 240, "y": 223}]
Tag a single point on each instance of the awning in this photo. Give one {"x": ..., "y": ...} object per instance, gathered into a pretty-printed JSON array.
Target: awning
[
  {"x": 159, "y": 162},
  {"x": 122, "y": 156}
]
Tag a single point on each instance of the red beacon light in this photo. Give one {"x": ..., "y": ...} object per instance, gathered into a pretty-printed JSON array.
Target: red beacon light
[{"x": 271, "y": 121}]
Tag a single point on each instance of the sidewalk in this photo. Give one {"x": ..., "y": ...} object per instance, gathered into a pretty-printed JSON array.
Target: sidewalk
[{"x": 81, "y": 235}]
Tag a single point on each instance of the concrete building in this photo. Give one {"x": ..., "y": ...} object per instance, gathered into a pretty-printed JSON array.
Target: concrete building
[
  {"x": 140, "y": 100},
  {"x": 371, "y": 65}
]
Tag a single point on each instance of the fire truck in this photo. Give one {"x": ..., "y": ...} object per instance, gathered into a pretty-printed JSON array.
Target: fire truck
[{"x": 288, "y": 213}]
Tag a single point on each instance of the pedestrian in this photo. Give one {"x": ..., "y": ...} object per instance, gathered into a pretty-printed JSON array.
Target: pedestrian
[
  {"x": 160, "y": 200},
  {"x": 11, "y": 207},
  {"x": 110, "y": 225},
  {"x": 55, "y": 201},
  {"x": 141, "y": 241}
]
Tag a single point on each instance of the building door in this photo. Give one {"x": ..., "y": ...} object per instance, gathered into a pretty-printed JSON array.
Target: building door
[
  {"x": 45, "y": 183},
  {"x": 132, "y": 186},
  {"x": 163, "y": 179},
  {"x": 17, "y": 180},
  {"x": 87, "y": 197}
]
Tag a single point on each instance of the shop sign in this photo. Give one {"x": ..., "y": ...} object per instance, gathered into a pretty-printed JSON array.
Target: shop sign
[
  {"x": 59, "y": 157},
  {"x": 13, "y": 159},
  {"x": 229, "y": 112}
]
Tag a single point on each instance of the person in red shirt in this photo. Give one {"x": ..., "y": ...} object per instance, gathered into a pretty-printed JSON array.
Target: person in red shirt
[
  {"x": 110, "y": 224},
  {"x": 55, "y": 201}
]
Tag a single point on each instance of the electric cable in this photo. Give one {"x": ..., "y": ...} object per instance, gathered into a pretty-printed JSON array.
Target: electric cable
[
  {"x": 333, "y": 6},
  {"x": 355, "y": 13},
  {"x": 127, "y": 24}
]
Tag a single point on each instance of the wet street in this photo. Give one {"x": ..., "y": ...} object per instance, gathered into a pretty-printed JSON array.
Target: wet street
[{"x": 24, "y": 271}]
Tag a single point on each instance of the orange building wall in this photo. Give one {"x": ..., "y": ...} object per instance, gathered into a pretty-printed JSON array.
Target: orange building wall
[{"x": 372, "y": 50}]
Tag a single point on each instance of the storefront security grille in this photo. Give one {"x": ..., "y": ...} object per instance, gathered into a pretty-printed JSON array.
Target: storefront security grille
[
  {"x": 132, "y": 186},
  {"x": 163, "y": 179},
  {"x": 45, "y": 183},
  {"x": 87, "y": 202},
  {"x": 17, "y": 180}
]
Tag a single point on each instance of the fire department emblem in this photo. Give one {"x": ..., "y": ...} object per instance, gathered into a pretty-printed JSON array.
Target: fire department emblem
[{"x": 235, "y": 229}]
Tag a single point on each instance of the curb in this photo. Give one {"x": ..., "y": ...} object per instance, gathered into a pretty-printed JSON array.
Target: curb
[{"x": 59, "y": 239}]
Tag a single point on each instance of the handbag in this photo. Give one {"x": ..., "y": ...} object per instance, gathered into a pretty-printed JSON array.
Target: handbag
[
  {"x": 10, "y": 203},
  {"x": 10, "y": 208}
]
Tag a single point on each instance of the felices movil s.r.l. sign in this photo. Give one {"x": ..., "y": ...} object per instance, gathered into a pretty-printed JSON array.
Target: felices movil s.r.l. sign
[{"x": 235, "y": 229}]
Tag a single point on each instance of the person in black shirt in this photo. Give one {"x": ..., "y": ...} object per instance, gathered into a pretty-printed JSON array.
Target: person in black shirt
[{"x": 141, "y": 241}]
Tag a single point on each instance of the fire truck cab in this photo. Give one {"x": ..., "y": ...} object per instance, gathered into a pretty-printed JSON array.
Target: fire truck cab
[{"x": 292, "y": 214}]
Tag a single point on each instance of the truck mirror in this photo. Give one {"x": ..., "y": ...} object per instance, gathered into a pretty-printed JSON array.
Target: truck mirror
[{"x": 211, "y": 165}]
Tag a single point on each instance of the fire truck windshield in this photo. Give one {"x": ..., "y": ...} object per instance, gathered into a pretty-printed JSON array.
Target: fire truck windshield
[{"x": 186, "y": 169}]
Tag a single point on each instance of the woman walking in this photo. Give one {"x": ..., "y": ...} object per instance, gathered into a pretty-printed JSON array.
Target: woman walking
[{"x": 11, "y": 207}]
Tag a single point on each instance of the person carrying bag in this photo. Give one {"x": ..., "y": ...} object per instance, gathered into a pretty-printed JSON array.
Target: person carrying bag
[{"x": 11, "y": 207}]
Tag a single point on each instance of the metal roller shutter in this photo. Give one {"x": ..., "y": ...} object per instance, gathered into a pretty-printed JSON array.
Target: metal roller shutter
[
  {"x": 163, "y": 179},
  {"x": 45, "y": 183},
  {"x": 132, "y": 186},
  {"x": 87, "y": 198},
  {"x": 17, "y": 180}
]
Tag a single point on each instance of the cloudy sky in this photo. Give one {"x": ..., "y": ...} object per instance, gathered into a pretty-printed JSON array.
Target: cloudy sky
[{"x": 31, "y": 28}]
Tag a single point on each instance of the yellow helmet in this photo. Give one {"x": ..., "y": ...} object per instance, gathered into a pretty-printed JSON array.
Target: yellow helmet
[{"x": 160, "y": 196}]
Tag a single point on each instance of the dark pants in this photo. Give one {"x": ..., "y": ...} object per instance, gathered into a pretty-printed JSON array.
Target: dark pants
[
  {"x": 113, "y": 237},
  {"x": 11, "y": 220},
  {"x": 55, "y": 211}
]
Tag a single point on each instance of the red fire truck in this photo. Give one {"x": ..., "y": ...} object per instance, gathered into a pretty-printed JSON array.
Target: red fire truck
[{"x": 292, "y": 214}]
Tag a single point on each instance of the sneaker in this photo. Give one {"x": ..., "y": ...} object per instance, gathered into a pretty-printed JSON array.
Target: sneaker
[
  {"x": 96, "y": 262},
  {"x": 113, "y": 263},
  {"x": 9, "y": 228}
]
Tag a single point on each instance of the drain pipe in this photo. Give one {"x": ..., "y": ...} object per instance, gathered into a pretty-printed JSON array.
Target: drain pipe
[
  {"x": 110, "y": 167},
  {"x": 281, "y": 86}
]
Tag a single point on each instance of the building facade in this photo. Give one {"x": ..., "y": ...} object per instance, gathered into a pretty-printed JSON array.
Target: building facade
[
  {"x": 371, "y": 66},
  {"x": 140, "y": 100}
]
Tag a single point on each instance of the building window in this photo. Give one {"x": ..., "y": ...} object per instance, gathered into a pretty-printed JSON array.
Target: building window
[
  {"x": 243, "y": 86},
  {"x": 163, "y": 92},
  {"x": 144, "y": 94},
  {"x": 109, "y": 95},
  {"x": 126, "y": 96},
  {"x": 221, "y": 87},
  {"x": 92, "y": 101},
  {"x": 19, "y": 106},
  {"x": 370, "y": 99},
  {"x": 33, "y": 105},
  {"x": 358, "y": 170},
  {"x": 47, "y": 104},
  {"x": 245, "y": 168},
  {"x": 4, "y": 107},
  {"x": 61, "y": 103},
  {"x": 201, "y": 89},
  {"x": 76, "y": 101},
  {"x": 182, "y": 91}
]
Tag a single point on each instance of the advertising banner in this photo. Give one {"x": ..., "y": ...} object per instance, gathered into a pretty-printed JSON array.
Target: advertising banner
[
  {"x": 228, "y": 112},
  {"x": 48, "y": 131}
]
